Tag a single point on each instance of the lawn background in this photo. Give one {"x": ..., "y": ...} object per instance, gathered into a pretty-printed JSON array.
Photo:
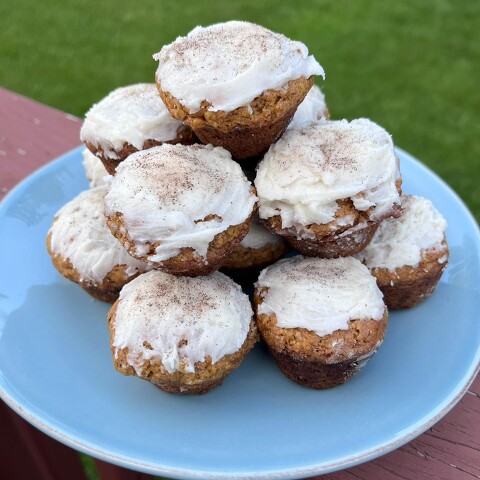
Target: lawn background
[{"x": 412, "y": 66}]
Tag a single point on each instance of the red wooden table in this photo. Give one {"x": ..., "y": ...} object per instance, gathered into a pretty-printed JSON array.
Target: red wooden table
[{"x": 31, "y": 135}]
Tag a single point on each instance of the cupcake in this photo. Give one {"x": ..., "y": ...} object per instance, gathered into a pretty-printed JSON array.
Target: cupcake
[
  {"x": 408, "y": 255},
  {"x": 257, "y": 250},
  {"x": 84, "y": 251},
  {"x": 326, "y": 187},
  {"x": 312, "y": 109},
  {"x": 236, "y": 84},
  {"x": 185, "y": 335},
  {"x": 127, "y": 120},
  {"x": 183, "y": 209},
  {"x": 322, "y": 319},
  {"x": 95, "y": 171}
]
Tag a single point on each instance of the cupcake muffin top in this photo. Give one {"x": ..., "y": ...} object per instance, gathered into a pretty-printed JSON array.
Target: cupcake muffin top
[
  {"x": 94, "y": 170},
  {"x": 179, "y": 196},
  {"x": 402, "y": 241},
  {"x": 180, "y": 320},
  {"x": 303, "y": 175},
  {"x": 79, "y": 233},
  {"x": 229, "y": 64},
  {"x": 130, "y": 115},
  {"x": 259, "y": 236},
  {"x": 321, "y": 295},
  {"x": 312, "y": 108}
]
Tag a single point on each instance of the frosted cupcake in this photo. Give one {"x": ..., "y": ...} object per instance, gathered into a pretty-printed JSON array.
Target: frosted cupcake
[
  {"x": 183, "y": 209},
  {"x": 95, "y": 171},
  {"x": 312, "y": 109},
  {"x": 185, "y": 335},
  {"x": 127, "y": 120},
  {"x": 236, "y": 84},
  {"x": 84, "y": 251},
  {"x": 408, "y": 255},
  {"x": 326, "y": 187},
  {"x": 257, "y": 250},
  {"x": 322, "y": 319}
]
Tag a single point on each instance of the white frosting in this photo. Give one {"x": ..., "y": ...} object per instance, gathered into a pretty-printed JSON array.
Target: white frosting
[
  {"x": 131, "y": 115},
  {"x": 307, "y": 170},
  {"x": 312, "y": 108},
  {"x": 321, "y": 295},
  {"x": 259, "y": 236},
  {"x": 401, "y": 241},
  {"x": 211, "y": 313},
  {"x": 229, "y": 64},
  {"x": 94, "y": 170},
  {"x": 80, "y": 234},
  {"x": 165, "y": 192}
]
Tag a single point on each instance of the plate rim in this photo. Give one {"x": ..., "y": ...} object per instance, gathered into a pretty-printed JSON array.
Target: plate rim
[{"x": 412, "y": 432}]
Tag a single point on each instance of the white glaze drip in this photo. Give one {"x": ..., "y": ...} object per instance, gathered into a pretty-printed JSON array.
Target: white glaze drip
[
  {"x": 312, "y": 109},
  {"x": 94, "y": 170}
]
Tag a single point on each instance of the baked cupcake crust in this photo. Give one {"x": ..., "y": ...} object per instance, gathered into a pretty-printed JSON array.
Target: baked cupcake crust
[
  {"x": 338, "y": 245},
  {"x": 244, "y": 264},
  {"x": 247, "y": 258},
  {"x": 333, "y": 239},
  {"x": 247, "y": 131}
]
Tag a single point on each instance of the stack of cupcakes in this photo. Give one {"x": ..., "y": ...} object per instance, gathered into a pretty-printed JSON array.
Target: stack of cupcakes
[{"x": 174, "y": 198}]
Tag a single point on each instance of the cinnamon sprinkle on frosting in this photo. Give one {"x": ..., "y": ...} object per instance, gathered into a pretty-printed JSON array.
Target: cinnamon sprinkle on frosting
[{"x": 229, "y": 64}]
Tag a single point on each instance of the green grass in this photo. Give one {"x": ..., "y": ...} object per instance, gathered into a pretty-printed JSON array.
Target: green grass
[{"x": 412, "y": 66}]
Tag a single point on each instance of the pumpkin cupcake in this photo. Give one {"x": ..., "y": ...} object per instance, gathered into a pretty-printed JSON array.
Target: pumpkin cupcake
[
  {"x": 408, "y": 255},
  {"x": 127, "y": 120},
  {"x": 84, "y": 251},
  {"x": 236, "y": 84},
  {"x": 185, "y": 335},
  {"x": 183, "y": 209},
  {"x": 322, "y": 319},
  {"x": 326, "y": 187}
]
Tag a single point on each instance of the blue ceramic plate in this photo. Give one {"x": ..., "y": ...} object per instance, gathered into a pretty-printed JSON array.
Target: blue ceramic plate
[{"x": 56, "y": 370}]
